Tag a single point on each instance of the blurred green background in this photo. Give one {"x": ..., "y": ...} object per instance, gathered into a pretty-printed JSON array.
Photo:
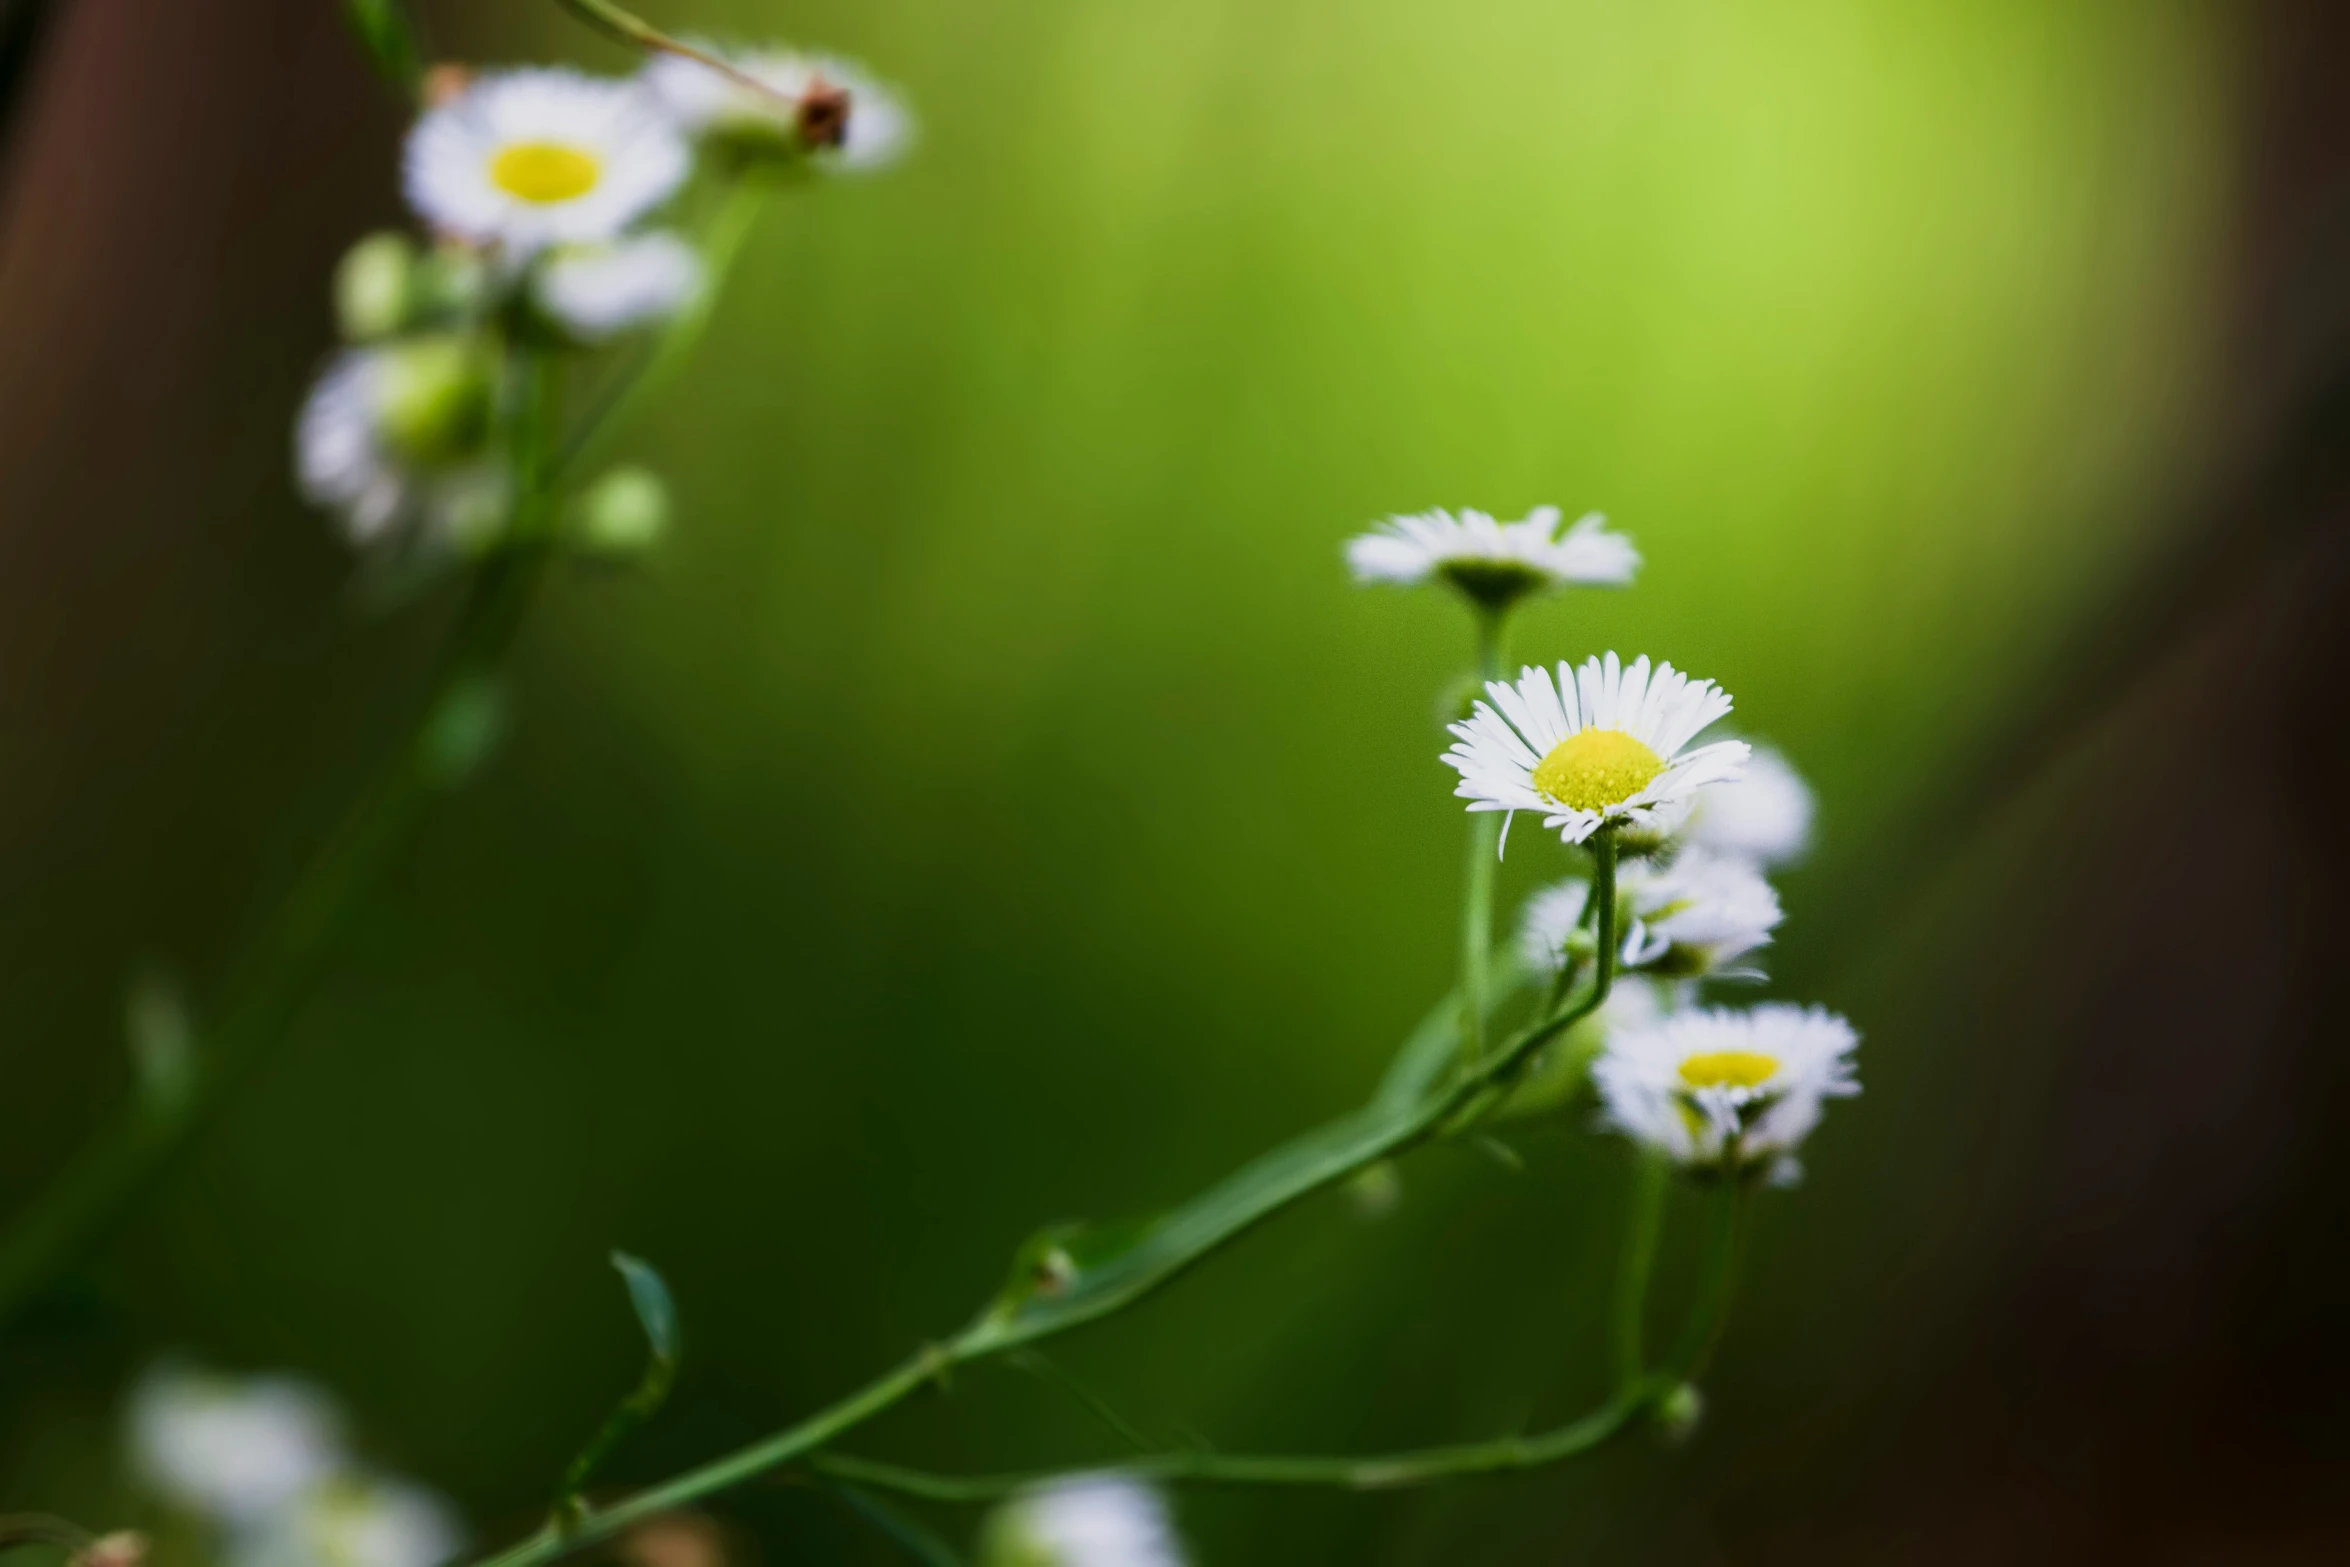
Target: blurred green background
[{"x": 994, "y": 806}]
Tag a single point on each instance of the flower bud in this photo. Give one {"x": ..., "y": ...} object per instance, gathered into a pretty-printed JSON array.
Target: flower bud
[
  {"x": 1679, "y": 1412},
  {"x": 434, "y": 399},
  {"x": 372, "y": 287},
  {"x": 624, "y": 513}
]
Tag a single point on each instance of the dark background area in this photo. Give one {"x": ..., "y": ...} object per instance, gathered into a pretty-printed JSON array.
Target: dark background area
[{"x": 994, "y": 807}]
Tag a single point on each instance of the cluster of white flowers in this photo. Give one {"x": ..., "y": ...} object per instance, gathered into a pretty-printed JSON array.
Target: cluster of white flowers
[
  {"x": 1610, "y": 747},
  {"x": 261, "y": 1461},
  {"x": 538, "y": 187},
  {"x": 1083, "y": 1521}
]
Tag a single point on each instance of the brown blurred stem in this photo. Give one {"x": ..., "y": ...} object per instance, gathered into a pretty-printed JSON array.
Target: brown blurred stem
[{"x": 634, "y": 31}]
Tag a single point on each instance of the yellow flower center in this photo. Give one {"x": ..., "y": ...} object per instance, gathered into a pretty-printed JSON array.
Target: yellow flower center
[
  {"x": 1593, "y": 769},
  {"x": 545, "y": 172},
  {"x": 1729, "y": 1069}
]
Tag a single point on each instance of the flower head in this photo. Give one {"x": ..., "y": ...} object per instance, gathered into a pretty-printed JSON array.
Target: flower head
[
  {"x": 1692, "y": 916},
  {"x": 1088, "y": 1521},
  {"x": 531, "y": 158},
  {"x": 395, "y": 438},
  {"x": 1493, "y": 563},
  {"x": 1601, "y": 747},
  {"x": 234, "y": 1450},
  {"x": 599, "y": 291},
  {"x": 829, "y": 110},
  {"x": 353, "y": 1520},
  {"x": 1722, "y": 1087},
  {"x": 1764, "y": 815}
]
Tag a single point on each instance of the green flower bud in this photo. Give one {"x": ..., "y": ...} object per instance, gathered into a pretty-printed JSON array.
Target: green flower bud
[
  {"x": 624, "y": 513},
  {"x": 372, "y": 287},
  {"x": 1679, "y": 1412},
  {"x": 434, "y": 398}
]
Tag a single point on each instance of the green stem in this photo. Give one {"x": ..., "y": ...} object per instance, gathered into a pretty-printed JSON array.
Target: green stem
[
  {"x": 1477, "y": 874},
  {"x": 1649, "y": 1185},
  {"x": 1181, "y": 1242},
  {"x": 722, "y": 245},
  {"x": 293, "y": 951},
  {"x": 1369, "y": 1472},
  {"x": 1709, "y": 1311}
]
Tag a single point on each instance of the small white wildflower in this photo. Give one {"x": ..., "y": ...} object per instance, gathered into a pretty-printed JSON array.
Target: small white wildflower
[
  {"x": 1714, "y": 1085},
  {"x": 1602, "y": 746},
  {"x": 1493, "y": 563},
  {"x": 232, "y": 1449},
  {"x": 352, "y": 1520},
  {"x": 832, "y": 110},
  {"x": 394, "y": 439},
  {"x": 1764, "y": 815},
  {"x": 1690, "y": 917},
  {"x": 596, "y": 292},
  {"x": 1088, "y": 1521},
  {"x": 531, "y": 158}
]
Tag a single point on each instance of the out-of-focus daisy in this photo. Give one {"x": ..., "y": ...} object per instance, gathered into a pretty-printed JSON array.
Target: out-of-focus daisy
[
  {"x": 1717, "y": 1086},
  {"x": 1493, "y": 563},
  {"x": 234, "y": 1450},
  {"x": 831, "y": 110},
  {"x": 531, "y": 158},
  {"x": 599, "y": 291},
  {"x": 395, "y": 438},
  {"x": 1088, "y": 1521},
  {"x": 353, "y": 1520},
  {"x": 1602, "y": 746},
  {"x": 1764, "y": 815},
  {"x": 1690, "y": 917}
]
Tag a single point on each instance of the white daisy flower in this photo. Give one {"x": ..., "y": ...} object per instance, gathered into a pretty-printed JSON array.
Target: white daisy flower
[
  {"x": 353, "y": 1520},
  {"x": 1764, "y": 815},
  {"x": 232, "y": 1449},
  {"x": 531, "y": 158},
  {"x": 1087, "y": 1521},
  {"x": 1690, "y": 917},
  {"x": 1714, "y": 1085},
  {"x": 596, "y": 292},
  {"x": 1494, "y": 563},
  {"x": 832, "y": 110},
  {"x": 1601, "y": 747},
  {"x": 395, "y": 439}
]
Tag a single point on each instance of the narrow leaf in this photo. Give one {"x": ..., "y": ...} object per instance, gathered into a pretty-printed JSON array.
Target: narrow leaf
[
  {"x": 656, "y": 1313},
  {"x": 389, "y": 36},
  {"x": 656, "y": 1310}
]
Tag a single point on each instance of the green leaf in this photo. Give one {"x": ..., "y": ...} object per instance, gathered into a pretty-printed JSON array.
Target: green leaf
[
  {"x": 909, "y": 1536},
  {"x": 656, "y": 1310},
  {"x": 389, "y": 36},
  {"x": 162, "y": 1038}
]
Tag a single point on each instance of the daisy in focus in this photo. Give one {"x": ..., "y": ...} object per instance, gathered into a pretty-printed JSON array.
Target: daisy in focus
[
  {"x": 1683, "y": 920},
  {"x": 596, "y": 292},
  {"x": 1764, "y": 815},
  {"x": 1603, "y": 746},
  {"x": 1493, "y": 563},
  {"x": 525, "y": 159},
  {"x": 829, "y": 110},
  {"x": 1087, "y": 1521},
  {"x": 1735, "y": 1089}
]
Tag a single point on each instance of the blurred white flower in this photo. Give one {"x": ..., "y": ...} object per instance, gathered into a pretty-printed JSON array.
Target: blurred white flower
[
  {"x": 233, "y": 1449},
  {"x": 1714, "y": 1085},
  {"x": 1086, "y": 1521},
  {"x": 831, "y": 109},
  {"x": 1494, "y": 563},
  {"x": 393, "y": 438},
  {"x": 599, "y": 291},
  {"x": 1689, "y": 917},
  {"x": 1602, "y": 746},
  {"x": 531, "y": 158},
  {"x": 352, "y": 1520},
  {"x": 1764, "y": 815}
]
